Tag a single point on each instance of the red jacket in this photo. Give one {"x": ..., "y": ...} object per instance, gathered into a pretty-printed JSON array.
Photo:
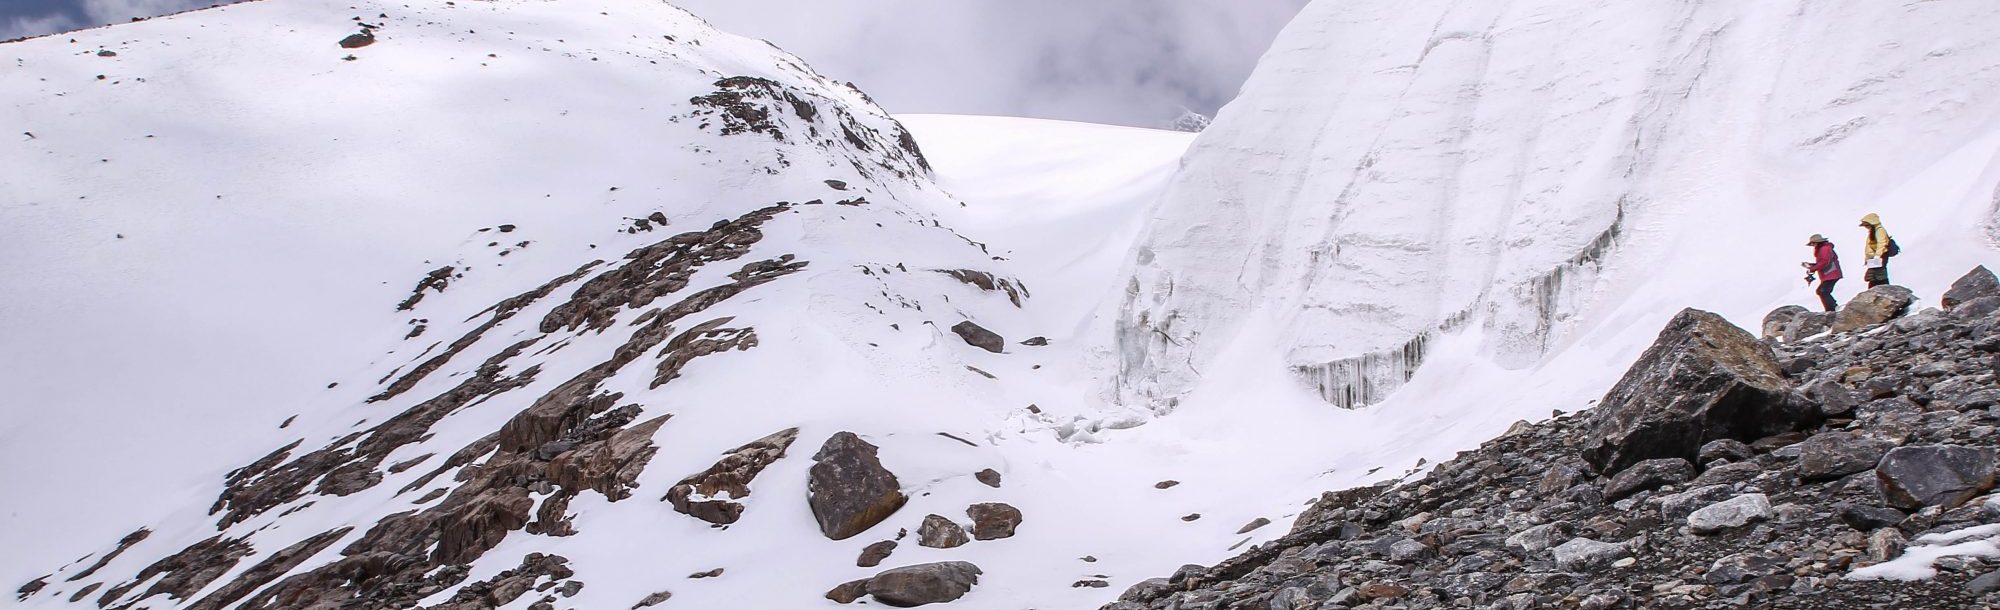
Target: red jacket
[{"x": 1826, "y": 263}]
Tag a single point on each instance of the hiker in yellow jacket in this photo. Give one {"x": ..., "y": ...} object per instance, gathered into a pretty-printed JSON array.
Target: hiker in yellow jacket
[{"x": 1878, "y": 249}]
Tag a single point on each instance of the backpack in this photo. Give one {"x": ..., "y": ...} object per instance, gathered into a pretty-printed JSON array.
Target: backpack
[{"x": 1892, "y": 250}]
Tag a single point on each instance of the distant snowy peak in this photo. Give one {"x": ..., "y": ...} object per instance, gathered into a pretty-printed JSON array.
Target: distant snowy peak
[
  {"x": 1394, "y": 171},
  {"x": 785, "y": 224}
]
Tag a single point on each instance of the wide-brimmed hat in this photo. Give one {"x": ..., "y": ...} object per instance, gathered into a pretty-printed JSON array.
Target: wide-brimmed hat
[{"x": 1816, "y": 239}]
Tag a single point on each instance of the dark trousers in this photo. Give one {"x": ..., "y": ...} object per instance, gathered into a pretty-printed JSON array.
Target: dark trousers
[
  {"x": 1878, "y": 276},
  {"x": 1826, "y": 295}
]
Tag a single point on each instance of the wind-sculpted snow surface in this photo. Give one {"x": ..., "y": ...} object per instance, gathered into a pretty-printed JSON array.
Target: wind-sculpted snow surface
[{"x": 1511, "y": 170}]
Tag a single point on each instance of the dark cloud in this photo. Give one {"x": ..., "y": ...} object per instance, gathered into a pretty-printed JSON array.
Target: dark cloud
[
  {"x": 22, "y": 18},
  {"x": 1135, "y": 62}
]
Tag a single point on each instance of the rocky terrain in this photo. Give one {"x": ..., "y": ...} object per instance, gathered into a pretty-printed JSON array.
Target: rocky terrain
[{"x": 1818, "y": 467}]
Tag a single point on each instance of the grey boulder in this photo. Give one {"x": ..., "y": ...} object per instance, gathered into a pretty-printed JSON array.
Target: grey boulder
[
  {"x": 1734, "y": 512},
  {"x": 1975, "y": 284},
  {"x": 1702, "y": 380},
  {"x": 977, "y": 336},
  {"x": 1833, "y": 455},
  {"x": 1584, "y": 554},
  {"x": 1873, "y": 306},
  {"x": 1934, "y": 475}
]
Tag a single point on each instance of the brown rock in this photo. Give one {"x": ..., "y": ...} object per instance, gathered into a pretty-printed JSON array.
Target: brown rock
[
  {"x": 873, "y": 554},
  {"x": 848, "y": 488},
  {"x": 988, "y": 476},
  {"x": 930, "y": 583},
  {"x": 993, "y": 520},
  {"x": 848, "y": 591},
  {"x": 611, "y": 467},
  {"x": 722, "y": 486}
]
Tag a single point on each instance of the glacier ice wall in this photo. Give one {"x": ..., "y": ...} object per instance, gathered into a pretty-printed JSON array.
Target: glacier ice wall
[{"x": 1396, "y": 170}]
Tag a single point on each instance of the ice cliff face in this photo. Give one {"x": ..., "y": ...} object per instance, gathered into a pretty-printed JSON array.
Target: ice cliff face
[{"x": 1395, "y": 171}]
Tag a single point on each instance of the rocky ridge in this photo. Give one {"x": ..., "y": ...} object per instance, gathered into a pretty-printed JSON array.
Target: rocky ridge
[{"x": 1865, "y": 444}]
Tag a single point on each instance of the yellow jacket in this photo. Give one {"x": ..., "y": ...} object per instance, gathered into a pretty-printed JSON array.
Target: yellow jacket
[{"x": 1878, "y": 237}]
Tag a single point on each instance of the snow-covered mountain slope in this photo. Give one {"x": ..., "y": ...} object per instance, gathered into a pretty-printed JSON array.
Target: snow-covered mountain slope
[
  {"x": 501, "y": 281},
  {"x": 376, "y": 325},
  {"x": 1541, "y": 183},
  {"x": 244, "y": 345}
]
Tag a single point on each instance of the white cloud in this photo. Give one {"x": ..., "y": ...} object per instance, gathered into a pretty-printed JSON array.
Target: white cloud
[{"x": 1117, "y": 61}]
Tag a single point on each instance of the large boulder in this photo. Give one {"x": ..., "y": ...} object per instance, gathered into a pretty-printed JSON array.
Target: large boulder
[
  {"x": 993, "y": 520},
  {"x": 1976, "y": 284},
  {"x": 930, "y": 583},
  {"x": 848, "y": 488},
  {"x": 1934, "y": 475},
  {"x": 1833, "y": 455},
  {"x": 977, "y": 336},
  {"x": 1703, "y": 380},
  {"x": 1873, "y": 306}
]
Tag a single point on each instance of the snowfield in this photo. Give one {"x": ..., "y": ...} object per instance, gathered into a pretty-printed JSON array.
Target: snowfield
[{"x": 1446, "y": 217}]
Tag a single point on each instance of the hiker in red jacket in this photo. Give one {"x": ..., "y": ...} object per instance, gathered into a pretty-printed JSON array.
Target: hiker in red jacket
[{"x": 1826, "y": 263}]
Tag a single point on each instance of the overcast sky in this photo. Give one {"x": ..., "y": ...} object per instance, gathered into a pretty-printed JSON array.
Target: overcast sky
[{"x": 1132, "y": 62}]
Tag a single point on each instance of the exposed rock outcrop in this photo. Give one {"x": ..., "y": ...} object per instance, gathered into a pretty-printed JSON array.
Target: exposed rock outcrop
[
  {"x": 568, "y": 441},
  {"x": 182, "y": 574},
  {"x": 272, "y": 567},
  {"x": 986, "y": 281},
  {"x": 123, "y": 544},
  {"x": 849, "y": 489},
  {"x": 435, "y": 281},
  {"x": 715, "y": 495}
]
